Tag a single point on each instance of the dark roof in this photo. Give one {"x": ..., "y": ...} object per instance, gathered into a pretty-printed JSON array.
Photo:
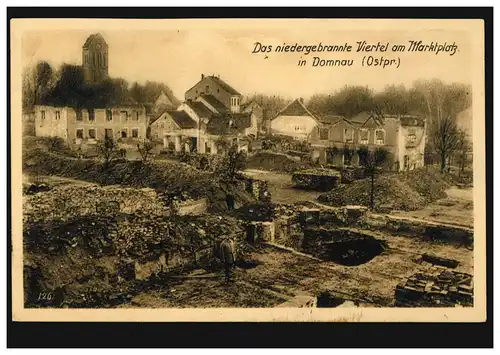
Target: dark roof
[
  {"x": 224, "y": 85},
  {"x": 330, "y": 119},
  {"x": 229, "y": 124},
  {"x": 90, "y": 39},
  {"x": 296, "y": 108},
  {"x": 182, "y": 119},
  {"x": 200, "y": 109},
  {"x": 363, "y": 117},
  {"x": 407, "y": 120},
  {"x": 212, "y": 100}
]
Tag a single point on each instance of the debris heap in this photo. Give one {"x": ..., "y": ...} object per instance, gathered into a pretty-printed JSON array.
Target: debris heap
[{"x": 436, "y": 288}]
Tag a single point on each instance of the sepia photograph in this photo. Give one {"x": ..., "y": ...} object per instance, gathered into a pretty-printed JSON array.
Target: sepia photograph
[{"x": 267, "y": 169}]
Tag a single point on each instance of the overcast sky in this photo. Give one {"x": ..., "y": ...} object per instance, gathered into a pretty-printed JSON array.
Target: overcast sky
[{"x": 179, "y": 57}]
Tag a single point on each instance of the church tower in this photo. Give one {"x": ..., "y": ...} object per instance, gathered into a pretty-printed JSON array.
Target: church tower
[{"x": 95, "y": 59}]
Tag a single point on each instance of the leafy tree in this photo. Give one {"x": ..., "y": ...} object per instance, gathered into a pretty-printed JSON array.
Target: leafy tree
[
  {"x": 36, "y": 85},
  {"x": 348, "y": 101},
  {"x": 373, "y": 162}
]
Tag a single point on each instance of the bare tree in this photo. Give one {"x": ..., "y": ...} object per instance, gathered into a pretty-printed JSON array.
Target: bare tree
[
  {"x": 463, "y": 150},
  {"x": 446, "y": 139},
  {"x": 145, "y": 149},
  {"x": 109, "y": 151},
  {"x": 373, "y": 162}
]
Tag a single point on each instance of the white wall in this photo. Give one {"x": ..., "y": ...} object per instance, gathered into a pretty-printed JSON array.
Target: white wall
[{"x": 286, "y": 125}]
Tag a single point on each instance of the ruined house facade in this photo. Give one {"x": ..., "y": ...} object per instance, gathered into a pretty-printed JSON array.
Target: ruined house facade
[
  {"x": 82, "y": 128},
  {"x": 402, "y": 135},
  {"x": 210, "y": 114}
]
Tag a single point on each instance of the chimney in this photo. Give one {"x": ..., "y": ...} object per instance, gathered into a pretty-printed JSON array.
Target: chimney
[
  {"x": 202, "y": 76},
  {"x": 301, "y": 100}
]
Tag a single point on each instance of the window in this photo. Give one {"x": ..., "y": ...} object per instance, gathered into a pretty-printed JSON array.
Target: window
[
  {"x": 364, "y": 135},
  {"x": 412, "y": 137},
  {"x": 124, "y": 133},
  {"x": 79, "y": 115},
  {"x": 348, "y": 135},
  {"x": 108, "y": 133},
  {"x": 323, "y": 134},
  {"x": 208, "y": 147},
  {"x": 218, "y": 90},
  {"x": 91, "y": 115},
  {"x": 207, "y": 89},
  {"x": 79, "y": 133},
  {"x": 58, "y": 115},
  {"x": 109, "y": 115},
  {"x": 379, "y": 137},
  {"x": 92, "y": 133},
  {"x": 135, "y": 132},
  {"x": 42, "y": 114},
  {"x": 137, "y": 116},
  {"x": 124, "y": 115}
]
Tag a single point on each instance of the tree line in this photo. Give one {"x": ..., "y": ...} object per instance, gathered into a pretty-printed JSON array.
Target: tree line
[{"x": 65, "y": 86}]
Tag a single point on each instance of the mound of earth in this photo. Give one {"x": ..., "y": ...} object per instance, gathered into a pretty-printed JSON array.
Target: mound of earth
[
  {"x": 275, "y": 162},
  {"x": 388, "y": 190},
  {"x": 429, "y": 183}
]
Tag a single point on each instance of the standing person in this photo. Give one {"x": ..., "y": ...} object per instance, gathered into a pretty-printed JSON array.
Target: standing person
[
  {"x": 230, "y": 201},
  {"x": 228, "y": 256}
]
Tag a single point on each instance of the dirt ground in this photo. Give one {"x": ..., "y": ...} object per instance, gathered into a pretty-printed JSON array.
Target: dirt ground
[
  {"x": 456, "y": 209},
  {"x": 280, "y": 186},
  {"x": 279, "y": 275}
]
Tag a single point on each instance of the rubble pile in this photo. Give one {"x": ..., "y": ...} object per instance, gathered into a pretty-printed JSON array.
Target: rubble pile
[
  {"x": 63, "y": 202},
  {"x": 115, "y": 255},
  {"x": 436, "y": 287},
  {"x": 275, "y": 162},
  {"x": 389, "y": 190},
  {"x": 316, "y": 179},
  {"x": 429, "y": 183}
]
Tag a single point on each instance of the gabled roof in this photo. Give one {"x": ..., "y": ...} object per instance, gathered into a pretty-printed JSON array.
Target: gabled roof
[
  {"x": 182, "y": 119},
  {"x": 216, "y": 104},
  {"x": 296, "y": 108},
  {"x": 229, "y": 124},
  {"x": 200, "y": 109},
  {"x": 89, "y": 40},
  {"x": 224, "y": 85},
  {"x": 363, "y": 117},
  {"x": 330, "y": 119},
  {"x": 244, "y": 106}
]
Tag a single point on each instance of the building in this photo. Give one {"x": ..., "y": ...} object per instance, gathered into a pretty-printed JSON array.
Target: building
[
  {"x": 212, "y": 87},
  {"x": 203, "y": 121},
  {"x": 82, "y": 128},
  {"x": 295, "y": 121},
  {"x": 402, "y": 135},
  {"x": 95, "y": 59},
  {"x": 255, "y": 108}
]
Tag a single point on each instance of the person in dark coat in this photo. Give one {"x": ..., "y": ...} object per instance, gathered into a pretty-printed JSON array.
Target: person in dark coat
[
  {"x": 230, "y": 201},
  {"x": 228, "y": 256}
]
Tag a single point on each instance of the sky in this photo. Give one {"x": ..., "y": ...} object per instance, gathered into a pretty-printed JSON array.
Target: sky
[{"x": 178, "y": 57}]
